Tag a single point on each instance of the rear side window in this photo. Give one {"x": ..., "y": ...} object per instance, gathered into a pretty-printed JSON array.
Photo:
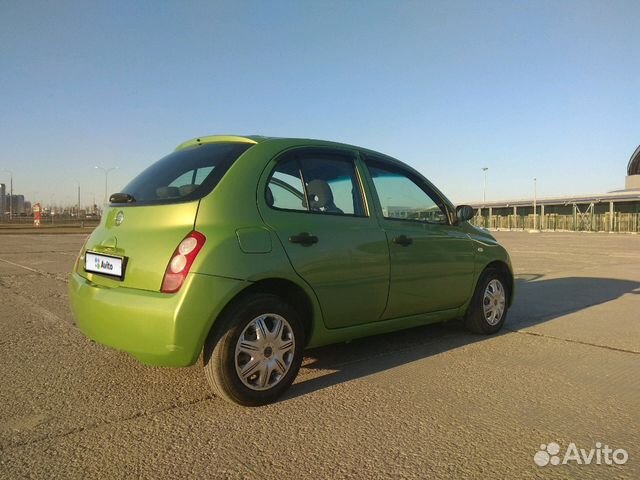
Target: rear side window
[
  {"x": 184, "y": 175},
  {"x": 316, "y": 182}
]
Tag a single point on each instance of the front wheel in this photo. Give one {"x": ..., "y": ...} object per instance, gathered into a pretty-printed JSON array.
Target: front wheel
[
  {"x": 255, "y": 351},
  {"x": 488, "y": 308}
]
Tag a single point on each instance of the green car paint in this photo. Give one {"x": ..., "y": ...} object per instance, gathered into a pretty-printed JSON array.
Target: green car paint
[{"x": 356, "y": 281}]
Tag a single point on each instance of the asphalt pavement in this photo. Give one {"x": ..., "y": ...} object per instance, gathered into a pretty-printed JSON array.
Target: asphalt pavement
[{"x": 431, "y": 402}]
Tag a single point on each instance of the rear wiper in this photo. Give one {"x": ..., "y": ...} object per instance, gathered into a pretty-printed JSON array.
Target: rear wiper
[{"x": 121, "y": 198}]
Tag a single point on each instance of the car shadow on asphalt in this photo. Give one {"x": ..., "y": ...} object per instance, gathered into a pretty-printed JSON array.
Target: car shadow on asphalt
[{"x": 538, "y": 300}]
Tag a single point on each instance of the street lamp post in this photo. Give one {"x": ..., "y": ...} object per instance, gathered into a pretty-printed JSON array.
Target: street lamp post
[
  {"x": 106, "y": 176},
  {"x": 484, "y": 185},
  {"x": 535, "y": 203},
  {"x": 78, "y": 183},
  {"x": 52, "y": 208}
]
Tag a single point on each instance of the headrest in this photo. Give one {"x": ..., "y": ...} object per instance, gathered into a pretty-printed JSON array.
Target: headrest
[
  {"x": 187, "y": 189},
  {"x": 320, "y": 195},
  {"x": 167, "y": 192}
]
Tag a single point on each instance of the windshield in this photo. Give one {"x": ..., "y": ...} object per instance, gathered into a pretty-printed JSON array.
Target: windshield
[{"x": 184, "y": 175}]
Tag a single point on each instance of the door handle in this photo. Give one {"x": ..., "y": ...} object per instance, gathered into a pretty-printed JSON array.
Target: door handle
[
  {"x": 305, "y": 239},
  {"x": 403, "y": 240}
]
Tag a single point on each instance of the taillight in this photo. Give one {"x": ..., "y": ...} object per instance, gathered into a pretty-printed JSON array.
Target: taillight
[{"x": 181, "y": 262}]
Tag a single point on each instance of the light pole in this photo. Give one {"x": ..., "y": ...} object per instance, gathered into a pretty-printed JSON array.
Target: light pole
[
  {"x": 106, "y": 176},
  {"x": 535, "y": 201},
  {"x": 78, "y": 183},
  {"x": 52, "y": 208},
  {"x": 484, "y": 186}
]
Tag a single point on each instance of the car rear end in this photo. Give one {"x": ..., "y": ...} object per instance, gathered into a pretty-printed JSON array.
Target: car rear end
[{"x": 134, "y": 285}]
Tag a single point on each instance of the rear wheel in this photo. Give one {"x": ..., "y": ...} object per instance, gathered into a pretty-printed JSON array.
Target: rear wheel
[
  {"x": 254, "y": 353},
  {"x": 488, "y": 309}
]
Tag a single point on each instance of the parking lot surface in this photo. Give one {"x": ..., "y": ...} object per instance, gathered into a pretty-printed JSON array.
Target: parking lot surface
[{"x": 431, "y": 402}]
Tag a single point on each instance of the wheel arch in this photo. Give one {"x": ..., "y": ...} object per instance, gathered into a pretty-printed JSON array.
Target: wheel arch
[{"x": 285, "y": 289}]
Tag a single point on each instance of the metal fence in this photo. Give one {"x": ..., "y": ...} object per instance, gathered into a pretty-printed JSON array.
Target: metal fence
[
  {"x": 48, "y": 221},
  {"x": 597, "y": 222}
]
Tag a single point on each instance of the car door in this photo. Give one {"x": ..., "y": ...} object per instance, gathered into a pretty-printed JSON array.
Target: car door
[
  {"x": 314, "y": 201},
  {"x": 432, "y": 263}
]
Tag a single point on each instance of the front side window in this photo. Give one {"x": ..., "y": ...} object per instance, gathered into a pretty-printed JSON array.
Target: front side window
[
  {"x": 405, "y": 198},
  {"x": 184, "y": 175},
  {"x": 315, "y": 182}
]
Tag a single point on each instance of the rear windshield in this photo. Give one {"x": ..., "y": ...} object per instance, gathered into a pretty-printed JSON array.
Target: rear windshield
[{"x": 184, "y": 175}]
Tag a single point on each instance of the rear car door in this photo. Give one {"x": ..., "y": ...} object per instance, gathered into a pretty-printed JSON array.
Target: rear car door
[
  {"x": 432, "y": 263},
  {"x": 314, "y": 200}
]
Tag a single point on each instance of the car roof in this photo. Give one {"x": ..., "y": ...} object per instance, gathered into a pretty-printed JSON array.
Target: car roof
[{"x": 256, "y": 139}]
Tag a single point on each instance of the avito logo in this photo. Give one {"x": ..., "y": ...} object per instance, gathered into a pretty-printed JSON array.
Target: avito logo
[
  {"x": 102, "y": 265},
  {"x": 550, "y": 454},
  {"x": 105, "y": 265}
]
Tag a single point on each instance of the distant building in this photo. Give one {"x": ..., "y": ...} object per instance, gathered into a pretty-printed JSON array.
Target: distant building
[
  {"x": 18, "y": 204},
  {"x": 617, "y": 211},
  {"x": 397, "y": 212},
  {"x": 633, "y": 171},
  {"x": 432, "y": 214},
  {"x": 3, "y": 194}
]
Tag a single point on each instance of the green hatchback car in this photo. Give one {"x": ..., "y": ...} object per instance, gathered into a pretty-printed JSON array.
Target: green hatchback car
[{"x": 249, "y": 250}]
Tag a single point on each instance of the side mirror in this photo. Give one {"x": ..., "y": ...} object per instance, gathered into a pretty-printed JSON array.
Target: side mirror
[{"x": 465, "y": 213}]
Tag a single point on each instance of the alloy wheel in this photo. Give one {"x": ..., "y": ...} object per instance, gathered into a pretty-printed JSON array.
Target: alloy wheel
[{"x": 493, "y": 302}]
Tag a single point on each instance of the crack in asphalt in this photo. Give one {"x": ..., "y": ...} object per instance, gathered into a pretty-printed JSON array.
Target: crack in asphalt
[
  {"x": 100, "y": 423},
  {"x": 55, "y": 276},
  {"x": 70, "y": 254},
  {"x": 22, "y": 266},
  {"x": 27, "y": 302},
  {"x": 135, "y": 416},
  {"x": 570, "y": 340}
]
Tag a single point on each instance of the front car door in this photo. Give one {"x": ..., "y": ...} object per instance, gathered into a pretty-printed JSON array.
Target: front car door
[
  {"x": 314, "y": 201},
  {"x": 432, "y": 263}
]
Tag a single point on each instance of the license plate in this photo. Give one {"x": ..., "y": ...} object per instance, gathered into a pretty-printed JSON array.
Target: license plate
[{"x": 104, "y": 264}]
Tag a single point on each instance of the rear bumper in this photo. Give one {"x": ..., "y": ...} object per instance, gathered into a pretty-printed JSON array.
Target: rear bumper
[{"x": 156, "y": 328}]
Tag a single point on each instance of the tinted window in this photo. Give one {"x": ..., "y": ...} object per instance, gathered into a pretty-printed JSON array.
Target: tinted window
[
  {"x": 316, "y": 182},
  {"x": 404, "y": 197},
  {"x": 184, "y": 175}
]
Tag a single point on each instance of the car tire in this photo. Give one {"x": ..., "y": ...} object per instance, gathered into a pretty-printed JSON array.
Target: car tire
[
  {"x": 487, "y": 311},
  {"x": 247, "y": 357}
]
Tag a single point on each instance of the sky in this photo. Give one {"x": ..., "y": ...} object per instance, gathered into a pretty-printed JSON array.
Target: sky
[{"x": 530, "y": 89}]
